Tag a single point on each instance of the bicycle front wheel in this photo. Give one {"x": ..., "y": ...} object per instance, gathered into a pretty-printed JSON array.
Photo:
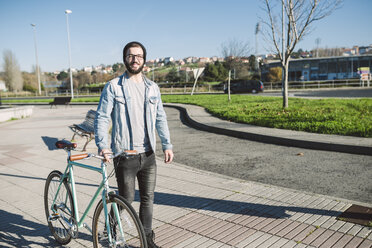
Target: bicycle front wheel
[
  {"x": 126, "y": 229},
  {"x": 60, "y": 212}
]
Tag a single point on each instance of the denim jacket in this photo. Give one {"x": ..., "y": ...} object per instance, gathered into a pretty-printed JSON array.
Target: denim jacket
[{"x": 115, "y": 105}]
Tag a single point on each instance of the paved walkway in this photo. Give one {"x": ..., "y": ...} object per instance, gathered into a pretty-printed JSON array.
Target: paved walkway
[{"x": 193, "y": 208}]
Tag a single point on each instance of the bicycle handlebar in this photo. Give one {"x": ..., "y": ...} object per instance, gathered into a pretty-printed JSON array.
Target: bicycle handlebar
[
  {"x": 111, "y": 156},
  {"x": 68, "y": 146},
  {"x": 87, "y": 155}
]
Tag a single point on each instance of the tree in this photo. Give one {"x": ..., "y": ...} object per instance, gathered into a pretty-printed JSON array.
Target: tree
[
  {"x": 211, "y": 73},
  {"x": 12, "y": 74},
  {"x": 172, "y": 75},
  {"x": 233, "y": 50},
  {"x": 29, "y": 82},
  {"x": 275, "y": 74},
  {"x": 82, "y": 78},
  {"x": 298, "y": 16},
  {"x": 62, "y": 76},
  {"x": 118, "y": 69},
  {"x": 222, "y": 71}
]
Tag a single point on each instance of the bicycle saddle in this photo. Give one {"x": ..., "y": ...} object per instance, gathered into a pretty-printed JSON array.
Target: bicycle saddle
[{"x": 62, "y": 144}]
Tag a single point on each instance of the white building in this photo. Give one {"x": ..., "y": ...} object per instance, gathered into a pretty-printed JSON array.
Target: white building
[
  {"x": 88, "y": 68},
  {"x": 2, "y": 86}
]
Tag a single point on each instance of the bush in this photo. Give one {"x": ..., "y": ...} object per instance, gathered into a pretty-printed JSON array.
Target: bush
[{"x": 29, "y": 88}]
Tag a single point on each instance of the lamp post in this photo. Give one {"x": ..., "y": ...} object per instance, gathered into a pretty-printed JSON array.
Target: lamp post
[
  {"x": 37, "y": 61},
  {"x": 67, "y": 11}
]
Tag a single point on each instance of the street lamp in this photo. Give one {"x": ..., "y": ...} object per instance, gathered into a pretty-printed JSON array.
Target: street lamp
[
  {"x": 67, "y": 11},
  {"x": 37, "y": 61}
]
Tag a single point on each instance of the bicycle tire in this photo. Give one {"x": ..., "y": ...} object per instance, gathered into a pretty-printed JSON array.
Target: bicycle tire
[
  {"x": 64, "y": 199},
  {"x": 134, "y": 233}
]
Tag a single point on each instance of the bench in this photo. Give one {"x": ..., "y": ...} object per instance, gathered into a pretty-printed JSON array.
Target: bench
[
  {"x": 86, "y": 128},
  {"x": 60, "y": 100}
]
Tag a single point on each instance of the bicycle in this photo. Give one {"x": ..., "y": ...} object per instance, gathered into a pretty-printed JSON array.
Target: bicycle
[{"x": 115, "y": 222}]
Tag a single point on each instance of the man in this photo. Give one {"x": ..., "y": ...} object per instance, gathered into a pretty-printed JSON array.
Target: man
[{"x": 132, "y": 102}]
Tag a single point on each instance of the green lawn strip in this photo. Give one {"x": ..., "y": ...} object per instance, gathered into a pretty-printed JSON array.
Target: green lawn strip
[{"x": 352, "y": 117}]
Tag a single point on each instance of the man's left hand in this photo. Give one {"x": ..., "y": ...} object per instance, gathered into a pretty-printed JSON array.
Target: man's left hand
[{"x": 168, "y": 156}]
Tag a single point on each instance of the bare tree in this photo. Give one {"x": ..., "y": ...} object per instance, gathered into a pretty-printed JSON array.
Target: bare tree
[
  {"x": 12, "y": 74},
  {"x": 297, "y": 18},
  {"x": 233, "y": 51}
]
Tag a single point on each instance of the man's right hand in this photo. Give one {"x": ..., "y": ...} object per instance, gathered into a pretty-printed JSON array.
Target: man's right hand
[{"x": 106, "y": 154}]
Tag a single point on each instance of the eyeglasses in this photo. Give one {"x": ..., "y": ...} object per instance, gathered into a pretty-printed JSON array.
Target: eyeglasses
[{"x": 134, "y": 56}]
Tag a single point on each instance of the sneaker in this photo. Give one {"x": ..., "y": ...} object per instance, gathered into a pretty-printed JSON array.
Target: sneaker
[{"x": 151, "y": 240}]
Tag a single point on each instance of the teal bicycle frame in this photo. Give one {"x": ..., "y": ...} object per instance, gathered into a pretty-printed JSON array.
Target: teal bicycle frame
[{"x": 104, "y": 187}]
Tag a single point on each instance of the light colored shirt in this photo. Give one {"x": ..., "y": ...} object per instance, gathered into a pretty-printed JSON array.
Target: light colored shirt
[{"x": 138, "y": 117}]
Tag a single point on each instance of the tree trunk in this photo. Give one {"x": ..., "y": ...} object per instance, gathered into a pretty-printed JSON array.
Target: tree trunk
[
  {"x": 228, "y": 87},
  {"x": 285, "y": 84}
]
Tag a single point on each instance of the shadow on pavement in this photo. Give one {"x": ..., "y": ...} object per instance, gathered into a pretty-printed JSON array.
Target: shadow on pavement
[
  {"x": 18, "y": 232},
  {"x": 236, "y": 207},
  {"x": 225, "y": 206},
  {"x": 50, "y": 142}
]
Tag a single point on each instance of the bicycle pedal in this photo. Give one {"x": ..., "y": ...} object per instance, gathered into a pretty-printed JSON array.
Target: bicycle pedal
[{"x": 53, "y": 217}]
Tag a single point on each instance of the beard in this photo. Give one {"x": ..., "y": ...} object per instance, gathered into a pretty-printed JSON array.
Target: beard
[{"x": 127, "y": 65}]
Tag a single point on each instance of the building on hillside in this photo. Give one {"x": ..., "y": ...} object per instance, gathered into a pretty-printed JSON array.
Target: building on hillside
[
  {"x": 185, "y": 69},
  {"x": 88, "y": 69},
  {"x": 365, "y": 49},
  {"x": 215, "y": 59},
  {"x": 108, "y": 69},
  {"x": 348, "y": 52},
  {"x": 180, "y": 62},
  {"x": 167, "y": 60},
  {"x": 325, "y": 68},
  {"x": 188, "y": 60},
  {"x": 98, "y": 68},
  {"x": 204, "y": 60},
  {"x": 74, "y": 70},
  {"x": 195, "y": 60},
  {"x": 150, "y": 63}
]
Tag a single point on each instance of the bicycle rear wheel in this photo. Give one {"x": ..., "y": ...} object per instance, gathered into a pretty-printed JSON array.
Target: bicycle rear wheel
[
  {"x": 62, "y": 211},
  {"x": 133, "y": 233}
]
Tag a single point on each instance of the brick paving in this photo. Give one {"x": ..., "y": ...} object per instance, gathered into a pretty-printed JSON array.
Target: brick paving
[{"x": 193, "y": 208}]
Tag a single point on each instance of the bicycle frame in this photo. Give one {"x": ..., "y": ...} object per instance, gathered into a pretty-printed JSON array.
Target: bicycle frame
[{"x": 104, "y": 187}]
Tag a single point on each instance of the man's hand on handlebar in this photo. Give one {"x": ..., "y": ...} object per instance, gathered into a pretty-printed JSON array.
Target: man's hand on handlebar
[{"x": 106, "y": 153}]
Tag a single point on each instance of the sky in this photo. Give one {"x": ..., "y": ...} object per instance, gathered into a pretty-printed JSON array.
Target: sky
[{"x": 168, "y": 28}]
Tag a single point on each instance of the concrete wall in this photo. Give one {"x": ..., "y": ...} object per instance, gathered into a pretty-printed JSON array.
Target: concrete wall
[{"x": 15, "y": 112}]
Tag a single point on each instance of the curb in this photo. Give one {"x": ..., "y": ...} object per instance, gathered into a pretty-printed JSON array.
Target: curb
[{"x": 314, "y": 145}]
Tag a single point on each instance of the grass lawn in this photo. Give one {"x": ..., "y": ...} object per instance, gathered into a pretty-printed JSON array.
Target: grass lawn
[{"x": 352, "y": 117}]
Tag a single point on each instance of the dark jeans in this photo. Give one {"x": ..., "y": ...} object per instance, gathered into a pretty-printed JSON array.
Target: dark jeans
[{"x": 142, "y": 166}]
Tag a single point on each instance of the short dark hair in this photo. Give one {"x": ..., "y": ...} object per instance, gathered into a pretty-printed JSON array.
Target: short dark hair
[{"x": 134, "y": 44}]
